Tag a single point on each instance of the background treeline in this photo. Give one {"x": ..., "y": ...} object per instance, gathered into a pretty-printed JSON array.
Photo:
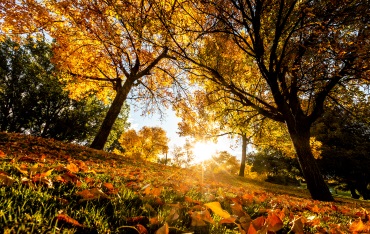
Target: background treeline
[{"x": 34, "y": 101}]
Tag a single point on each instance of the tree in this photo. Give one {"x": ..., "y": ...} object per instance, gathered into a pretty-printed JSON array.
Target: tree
[
  {"x": 33, "y": 100},
  {"x": 222, "y": 162},
  {"x": 148, "y": 143},
  {"x": 303, "y": 51},
  {"x": 279, "y": 168},
  {"x": 110, "y": 47},
  {"x": 346, "y": 147}
]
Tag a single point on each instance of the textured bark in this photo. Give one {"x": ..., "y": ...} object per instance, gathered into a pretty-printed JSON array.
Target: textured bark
[
  {"x": 112, "y": 114},
  {"x": 315, "y": 182},
  {"x": 244, "y": 155}
]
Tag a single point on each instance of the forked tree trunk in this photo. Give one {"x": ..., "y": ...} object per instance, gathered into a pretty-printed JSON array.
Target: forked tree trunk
[
  {"x": 315, "y": 182},
  {"x": 111, "y": 116},
  {"x": 244, "y": 155}
]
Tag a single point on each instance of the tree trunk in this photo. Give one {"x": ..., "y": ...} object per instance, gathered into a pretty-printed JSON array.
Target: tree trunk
[
  {"x": 315, "y": 182},
  {"x": 244, "y": 155},
  {"x": 111, "y": 116}
]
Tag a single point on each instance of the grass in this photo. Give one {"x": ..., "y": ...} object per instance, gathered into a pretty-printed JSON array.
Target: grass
[{"x": 52, "y": 187}]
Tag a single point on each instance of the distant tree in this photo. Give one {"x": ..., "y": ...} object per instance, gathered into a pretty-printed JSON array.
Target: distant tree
[
  {"x": 33, "y": 100},
  {"x": 178, "y": 156},
  {"x": 346, "y": 149},
  {"x": 148, "y": 143},
  {"x": 279, "y": 168},
  {"x": 222, "y": 161}
]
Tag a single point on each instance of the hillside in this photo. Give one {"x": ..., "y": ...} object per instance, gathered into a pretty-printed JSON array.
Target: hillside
[{"x": 48, "y": 186}]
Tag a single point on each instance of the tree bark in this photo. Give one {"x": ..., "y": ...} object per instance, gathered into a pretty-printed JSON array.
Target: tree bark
[
  {"x": 244, "y": 155},
  {"x": 112, "y": 114},
  {"x": 300, "y": 136}
]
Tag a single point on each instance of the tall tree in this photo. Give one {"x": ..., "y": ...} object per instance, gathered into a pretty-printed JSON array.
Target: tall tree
[
  {"x": 109, "y": 46},
  {"x": 33, "y": 100},
  {"x": 303, "y": 50}
]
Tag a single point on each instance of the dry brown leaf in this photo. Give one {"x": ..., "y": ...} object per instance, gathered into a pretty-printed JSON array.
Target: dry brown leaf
[
  {"x": 163, "y": 230},
  {"x": 92, "y": 194},
  {"x": 297, "y": 226},
  {"x": 6, "y": 180}
]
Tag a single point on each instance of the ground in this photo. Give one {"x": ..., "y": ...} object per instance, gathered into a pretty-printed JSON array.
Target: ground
[{"x": 48, "y": 186}]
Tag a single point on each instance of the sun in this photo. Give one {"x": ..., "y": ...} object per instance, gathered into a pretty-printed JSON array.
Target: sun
[{"x": 203, "y": 151}]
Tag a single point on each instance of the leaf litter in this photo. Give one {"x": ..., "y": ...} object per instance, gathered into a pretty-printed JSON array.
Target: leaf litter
[{"x": 171, "y": 200}]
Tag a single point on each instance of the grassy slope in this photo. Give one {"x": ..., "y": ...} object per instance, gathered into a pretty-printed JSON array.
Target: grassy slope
[{"x": 54, "y": 187}]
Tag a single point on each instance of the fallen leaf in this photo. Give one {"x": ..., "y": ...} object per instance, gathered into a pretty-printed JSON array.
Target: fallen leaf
[
  {"x": 92, "y": 194},
  {"x": 357, "y": 226},
  {"x": 72, "y": 168},
  {"x": 27, "y": 159},
  {"x": 297, "y": 226},
  {"x": 2, "y": 154},
  {"x": 163, "y": 230},
  {"x": 274, "y": 223},
  {"x": 217, "y": 209},
  {"x": 259, "y": 222},
  {"x": 231, "y": 219},
  {"x": 197, "y": 219},
  {"x": 66, "y": 219},
  {"x": 141, "y": 229},
  {"x": 46, "y": 174},
  {"x": 6, "y": 180}
]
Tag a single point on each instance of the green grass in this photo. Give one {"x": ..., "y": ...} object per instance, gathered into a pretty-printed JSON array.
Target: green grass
[{"x": 145, "y": 193}]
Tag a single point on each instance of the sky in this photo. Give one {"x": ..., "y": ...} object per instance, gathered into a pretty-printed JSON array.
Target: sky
[{"x": 202, "y": 151}]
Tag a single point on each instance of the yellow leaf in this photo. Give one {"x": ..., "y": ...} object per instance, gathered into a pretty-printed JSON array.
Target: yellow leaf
[
  {"x": 217, "y": 209},
  {"x": 46, "y": 174}
]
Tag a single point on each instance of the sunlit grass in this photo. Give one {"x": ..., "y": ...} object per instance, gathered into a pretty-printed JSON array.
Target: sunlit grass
[{"x": 136, "y": 200}]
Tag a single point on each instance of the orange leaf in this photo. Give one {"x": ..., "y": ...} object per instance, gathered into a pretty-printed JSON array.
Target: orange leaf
[
  {"x": 315, "y": 209},
  {"x": 252, "y": 230},
  {"x": 357, "y": 226},
  {"x": 141, "y": 229},
  {"x": 2, "y": 154},
  {"x": 274, "y": 222},
  {"x": 72, "y": 168},
  {"x": 66, "y": 219},
  {"x": 109, "y": 186},
  {"x": 259, "y": 222}
]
